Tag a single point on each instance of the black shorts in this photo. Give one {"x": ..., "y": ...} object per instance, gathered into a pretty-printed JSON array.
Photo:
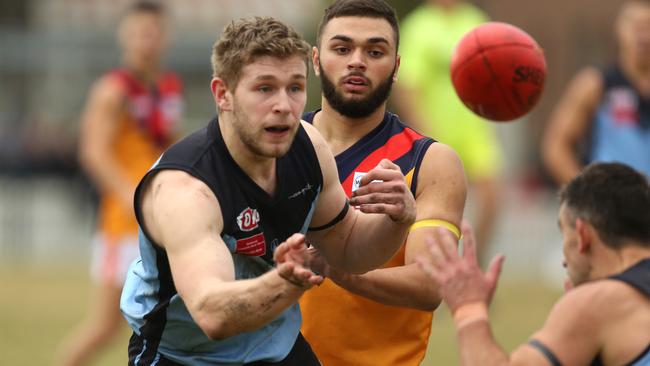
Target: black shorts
[{"x": 301, "y": 354}]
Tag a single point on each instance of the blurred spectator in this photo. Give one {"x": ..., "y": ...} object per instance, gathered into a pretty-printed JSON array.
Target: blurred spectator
[
  {"x": 129, "y": 120},
  {"x": 604, "y": 114}
]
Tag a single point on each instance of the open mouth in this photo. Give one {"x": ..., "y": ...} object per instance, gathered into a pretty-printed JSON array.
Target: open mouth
[
  {"x": 277, "y": 129},
  {"x": 356, "y": 80}
]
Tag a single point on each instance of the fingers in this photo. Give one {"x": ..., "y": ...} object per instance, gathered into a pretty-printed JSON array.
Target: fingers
[
  {"x": 298, "y": 275},
  {"x": 292, "y": 248},
  {"x": 426, "y": 267},
  {"x": 391, "y": 198},
  {"x": 387, "y": 164},
  {"x": 385, "y": 172},
  {"x": 469, "y": 242},
  {"x": 494, "y": 270},
  {"x": 286, "y": 269},
  {"x": 384, "y": 190},
  {"x": 447, "y": 244},
  {"x": 280, "y": 253}
]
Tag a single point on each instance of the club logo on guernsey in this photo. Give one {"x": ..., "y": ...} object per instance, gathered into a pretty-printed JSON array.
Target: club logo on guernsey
[
  {"x": 356, "y": 182},
  {"x": 248, "y": 219},
  {"x": 254, "y": 245}
]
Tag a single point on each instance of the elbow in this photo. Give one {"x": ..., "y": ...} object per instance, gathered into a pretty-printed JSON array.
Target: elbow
[
  {"x": 213, "y": 326},
  {"x": 431, "y": 303}
]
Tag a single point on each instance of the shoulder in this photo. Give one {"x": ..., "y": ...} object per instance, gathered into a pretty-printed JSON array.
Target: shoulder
[
  {"x": 440, "y": 159},
  {"x": 588, "y": 305},
  {"x": 441, "y": 184},
  {"x": 471, "y": 11},
  {"x": 317, "y": 140},
  {"x": 109, "y": 86},
  {"x": 589, "y": 78},
  {"x": 177, "y": 188}
]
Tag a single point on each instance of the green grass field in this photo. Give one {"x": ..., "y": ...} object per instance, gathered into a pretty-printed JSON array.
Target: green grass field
[{"x": 38, "y": 306}]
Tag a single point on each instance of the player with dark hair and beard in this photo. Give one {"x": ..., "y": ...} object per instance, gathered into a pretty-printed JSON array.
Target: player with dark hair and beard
[{"x": 357, "y": 61}]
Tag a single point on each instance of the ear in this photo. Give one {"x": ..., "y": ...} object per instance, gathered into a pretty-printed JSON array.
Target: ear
[
  {"x": 397, "y": 63},
  {"x": 315, "y": 60},
  {"x": 585, "y": 233},
  {"x": 221, "y": 94}
]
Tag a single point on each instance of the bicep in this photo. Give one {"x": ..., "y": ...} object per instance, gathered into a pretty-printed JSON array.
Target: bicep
[
  {"x": 569, "y": 334},
  {"x": 332, "y": 197},
  {"x": 440, "y": 196},
  {"x": 183, "y": 216}
]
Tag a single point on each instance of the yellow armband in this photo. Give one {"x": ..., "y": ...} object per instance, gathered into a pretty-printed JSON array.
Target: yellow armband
[{"x": 436, "y": 223}]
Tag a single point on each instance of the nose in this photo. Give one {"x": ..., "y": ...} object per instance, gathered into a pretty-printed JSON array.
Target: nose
[
  {"x": 357, "y": 60},
  {"x": 282, "y": 104}
]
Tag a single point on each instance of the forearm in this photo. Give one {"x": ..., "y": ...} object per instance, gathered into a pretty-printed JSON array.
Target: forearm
[
  {"x": 234, "y": 307},
  {"x": 404, "y": 286},
  {"x": 478, "y": 346},
  {"x": 372, "y": 242},
  {"x": 475, "y": 340},
  {"x": 561, "y": 162}
]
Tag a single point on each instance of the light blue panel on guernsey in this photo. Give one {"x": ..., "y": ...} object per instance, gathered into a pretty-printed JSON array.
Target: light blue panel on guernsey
[
  {"x": 139, "y": 295},
  {"x": 626, "y": 143}
]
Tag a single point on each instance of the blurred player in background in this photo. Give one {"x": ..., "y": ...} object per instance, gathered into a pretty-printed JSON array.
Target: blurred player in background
[
  {"x": 425, "y": 97},
  {"x": 129, "y": 119},
  {"x": 605, "y": 317},
  {"x": 604, "y": 115},
  {"x": 382, "y": 317}
]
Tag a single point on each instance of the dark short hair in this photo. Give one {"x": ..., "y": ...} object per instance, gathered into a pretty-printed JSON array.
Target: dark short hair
[
  {"x": 360, "y": 8},
  {"x": 146, "y": 6},
  {"x": 614, "y": 198},
  {"x": 244, "y": 40}
]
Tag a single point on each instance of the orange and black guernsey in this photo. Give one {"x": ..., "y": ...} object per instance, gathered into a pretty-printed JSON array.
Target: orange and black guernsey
[
  {"x": 342, "y": 326},
  {"x": 145, "y": 127}
]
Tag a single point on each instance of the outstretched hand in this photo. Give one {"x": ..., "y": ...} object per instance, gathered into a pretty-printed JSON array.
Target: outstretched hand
[
  {"x": 292, "y": 258},
  {"x": 460, "y": 278},
  {"x": 384, "y": 190}
]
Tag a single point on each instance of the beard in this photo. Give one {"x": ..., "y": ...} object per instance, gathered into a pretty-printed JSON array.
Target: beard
[
  {"x": 356, "y": 108},
  {"x": 246, "y": 132}
]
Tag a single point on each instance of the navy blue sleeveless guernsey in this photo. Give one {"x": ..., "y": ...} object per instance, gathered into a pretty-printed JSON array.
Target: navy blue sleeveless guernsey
[
  {"x": 621, "y": 125},
  {"x": 254, "y": 224},
  {"x": 637, "y": 276}
]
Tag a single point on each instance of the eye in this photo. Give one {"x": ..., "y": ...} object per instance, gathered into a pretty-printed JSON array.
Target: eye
[
  {"x": 375, "y": 53},
  {"x": 264, "y": 89},
  {"x": 296, "y": 88},
  {"x": 342, "y": 50}
]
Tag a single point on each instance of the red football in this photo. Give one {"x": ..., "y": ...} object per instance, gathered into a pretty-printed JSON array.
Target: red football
[{"x": 498, "y": 71}]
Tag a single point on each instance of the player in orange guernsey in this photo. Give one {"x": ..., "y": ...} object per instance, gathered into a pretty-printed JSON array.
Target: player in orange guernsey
[
  {"x": 382, "y": 317},
  {"x": 129, "y": 120}
]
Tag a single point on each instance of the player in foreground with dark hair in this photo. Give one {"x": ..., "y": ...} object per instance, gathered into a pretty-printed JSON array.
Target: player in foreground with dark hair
[
  {"x": 382, "y": 317},
  {"x": 605, "y": 318}
]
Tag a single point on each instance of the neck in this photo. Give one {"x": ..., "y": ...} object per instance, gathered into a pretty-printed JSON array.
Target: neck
[
  {"x": 639, "y": 75},
  {"x": 618, "y": 260},
  {"x": 340, "y": 131},
  {"x": 145, "y": 70},
  {"x": 259, "y": 168}
]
